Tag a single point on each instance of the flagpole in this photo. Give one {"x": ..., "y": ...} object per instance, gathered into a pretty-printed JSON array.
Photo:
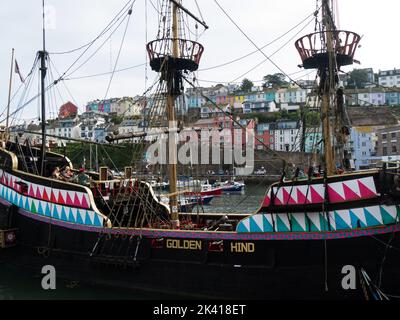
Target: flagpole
[{"x": 9, "y": 96}]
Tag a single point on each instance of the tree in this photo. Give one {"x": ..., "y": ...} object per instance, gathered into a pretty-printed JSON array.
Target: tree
[
  {"x": 277, "y": 80},
  {"x": 358, "y": 79},
  {"x": 246, "y": 85}
]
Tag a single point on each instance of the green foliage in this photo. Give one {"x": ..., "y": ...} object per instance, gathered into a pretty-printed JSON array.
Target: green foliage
[
  {"x": 117, "y": 119},
  {"x": 275, "y": 81},
  {"x": 271, "y": 117},
  {"x": 246, "y": 85},
  {"x": 77, "y": 152},
  {"x": 358, "y": 79},
  {"x": 313, "y": 119}
]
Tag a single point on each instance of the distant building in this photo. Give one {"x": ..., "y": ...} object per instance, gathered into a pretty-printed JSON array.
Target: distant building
[
  {"x": 313, "y": 140},
  {"x": 366, "y": 97},
  {"x": 389, "y": 78},
  {"x": 264, "y": 136},
  {"x": 388, "y": 143},
  {"x": 361, "y": 146},
  {"x": 68, "y": 110},
  {"x": 287, "y": 135},
  {"x": 89, "y": 121}
]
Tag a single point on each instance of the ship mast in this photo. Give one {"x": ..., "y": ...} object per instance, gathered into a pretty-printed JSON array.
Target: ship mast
[
  {"x": 43, "y": 70},
  {"x": 170, "y": 57},
  {"x": 7, "y": 130},
  {"x": 327, "y": 51},
  {"x": 171, "y": 97},
  {"x": 327, "y": 89}
]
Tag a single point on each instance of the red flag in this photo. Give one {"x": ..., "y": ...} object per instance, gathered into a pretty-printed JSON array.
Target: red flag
[{"x": 19, "y": 73}]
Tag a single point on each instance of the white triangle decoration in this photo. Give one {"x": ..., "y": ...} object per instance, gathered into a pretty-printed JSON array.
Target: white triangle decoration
[
  {"x": 258, "y": 219},
  {"x": 285, "y": 220},
  {"x": 338, "y": 188},
  {"x": 392, "y": 210},
  {"x": 314, "y": 217},
  {"x": 345, "y": 216},
  {"x": 246, "y": 224},
  {"x": 301, "y": 219},
  {"x": 376, "y": 212},
  {"x": 359, "y": 213},
  {"x": 353, "y": 186}
]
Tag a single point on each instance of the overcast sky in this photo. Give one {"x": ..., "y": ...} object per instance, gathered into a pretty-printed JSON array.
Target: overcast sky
[{"x": 73, "y": 23}]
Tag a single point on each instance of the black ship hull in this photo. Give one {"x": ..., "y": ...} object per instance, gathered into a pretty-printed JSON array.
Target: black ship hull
[{"x": 280, "y": 269}]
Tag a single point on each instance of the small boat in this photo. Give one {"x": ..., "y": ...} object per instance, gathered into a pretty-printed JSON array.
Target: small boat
[
  {"x": 207, "y": 189},
  {"x": 202, "y": 200},
  {"x": 232, "y": 186}
]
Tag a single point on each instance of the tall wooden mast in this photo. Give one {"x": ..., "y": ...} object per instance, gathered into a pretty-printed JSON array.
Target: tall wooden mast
[
  {"x": 43, "y": 70},
  {"x": 7, "y": 130},
  {"x": 327, "y": 89},
  {"x": 327, "y": 51},
  {"x": 171, "y": 97},
  {"x": 171, "y": 57}
]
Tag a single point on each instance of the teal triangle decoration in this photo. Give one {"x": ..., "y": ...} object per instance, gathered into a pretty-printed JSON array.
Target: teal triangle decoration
[
  {"x": 281, "y": 227},
  {"x": 79, "y": 218},
  {"x": 55, "y": 213},
  {"x": 268, "y": 227},
  {"x": 296, "y": 227},
  {"x": 355, "y": 221},
  {"x": 16, "y": 200},
  {"x": 48, "y": 211},
  {"x": 63, "y": 214},
  {"x": 241, "y": 228},
  {"x": 386, "y": 217},
  {"x": 312, "y": 226},
  {"x": 40, "y": 209},
  {"x": 6, "y": 197},
  {"x": 71, "y": 216},
  {"x": 27, "y": 207},
  {"x": 97, "y": 221},
  {"x": 2, "y": 192},
  {"x": 253, "y": 226},
  {"x": 340, "y": 223},
  {"x": 324, "y": 222},
  {"x": 89, "y": 222},
  {"x": 21, "y": 202},
  {"x": 371, "y": 220}
]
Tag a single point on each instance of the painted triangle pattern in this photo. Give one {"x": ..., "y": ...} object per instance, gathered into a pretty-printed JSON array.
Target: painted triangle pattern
[
  {"x": 349, "y": 219},
  {"x": 342, "y": 191},
  {"x": 49, "y": 209},
  {"x": 75, "y": 198}
]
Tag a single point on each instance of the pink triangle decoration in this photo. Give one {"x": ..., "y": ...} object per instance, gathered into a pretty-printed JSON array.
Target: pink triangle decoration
[
  {"x": 38, "y": 195},
  {"x": 301, "y": 198},
  {"x": 286, "y": 196},
  {"x": 350, "y": 194},
  {"x": 85, "y": 204},
  {"x": 45, "y": 196},
  {"x": 76, "y": 200},
  {"x": 334, "y": 196},
  {"x": 266, "y": 203},
  {"x": 68, "y": 200},
  {"x": 315, "y": 197},
  {"x": 31, "y": 193},
  {"x": 277, "y": 201},
  {"x": 60, "y": 198},
  {"x": 364, "y": 191},
  {"x": 53, "y": 197}
]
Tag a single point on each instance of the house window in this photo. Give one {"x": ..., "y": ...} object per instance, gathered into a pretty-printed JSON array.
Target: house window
[
  {"x": 394, "y": 148},
  {"x": 384, "y": 136},
  {"x": 384, "y": 151},
  {"x": 393, "y": 134}
]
